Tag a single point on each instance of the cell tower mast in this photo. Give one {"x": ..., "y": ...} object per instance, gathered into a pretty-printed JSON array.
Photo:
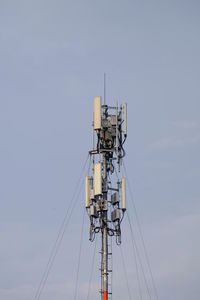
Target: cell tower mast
[{"x": 106, "y": 199}]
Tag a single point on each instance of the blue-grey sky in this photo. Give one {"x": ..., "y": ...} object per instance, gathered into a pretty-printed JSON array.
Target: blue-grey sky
[{"x": 52, "y": 58}]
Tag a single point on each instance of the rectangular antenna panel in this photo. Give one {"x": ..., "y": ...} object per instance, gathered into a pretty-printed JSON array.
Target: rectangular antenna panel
[
  {"x": 123, "y": 193},
  {"x": 97, "y": 179},
  {"x": 125, "y": 118},
  {"x": 97, "y": 113},
  {"x": 88, "y": 188}
]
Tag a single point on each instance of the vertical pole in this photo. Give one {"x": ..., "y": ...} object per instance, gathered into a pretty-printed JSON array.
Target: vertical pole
[
  {"x": 104, "y": 233},
  {"x": 105, "y": 264},
  {"x": 104, "y": 227}
]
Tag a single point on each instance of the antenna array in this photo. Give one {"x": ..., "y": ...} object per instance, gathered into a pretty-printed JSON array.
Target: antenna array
[{"x": 105, "y": 198}]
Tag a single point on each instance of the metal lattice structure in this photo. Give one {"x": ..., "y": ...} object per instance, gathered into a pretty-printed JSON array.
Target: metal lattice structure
[{"x": 106, "y": 197}]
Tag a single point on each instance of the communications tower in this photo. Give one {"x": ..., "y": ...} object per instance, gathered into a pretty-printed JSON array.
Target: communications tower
[{"x": 106, "y": 194}]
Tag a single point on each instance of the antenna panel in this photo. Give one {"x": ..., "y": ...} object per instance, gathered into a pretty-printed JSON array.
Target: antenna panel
[
  {"x": 88, "y": 188},
  {"x": 97, "y": 113},
  {"x": 123, "y": 193},
  {"x": 125, "y": 118},
  {"x": 97, "y": 179}
]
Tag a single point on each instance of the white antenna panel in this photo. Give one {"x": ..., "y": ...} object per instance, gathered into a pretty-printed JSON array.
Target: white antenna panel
[
  {"x": 97, "y": 113},
  {"x": 125, "y": 118},
  {"x": 97, "y": 179},
  {"x": 88, "y": 188},
  {"x": 123, "y": 193}
]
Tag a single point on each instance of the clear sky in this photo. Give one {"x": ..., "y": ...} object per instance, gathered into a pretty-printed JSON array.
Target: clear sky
[{"x": 52, "y": 58}]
